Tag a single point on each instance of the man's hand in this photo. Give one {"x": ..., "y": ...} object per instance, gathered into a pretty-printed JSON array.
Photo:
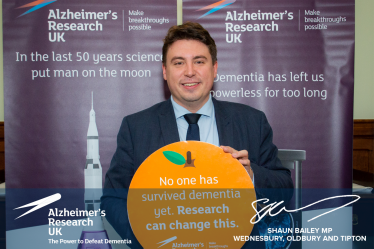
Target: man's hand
[{"x": 242, "y": 157}]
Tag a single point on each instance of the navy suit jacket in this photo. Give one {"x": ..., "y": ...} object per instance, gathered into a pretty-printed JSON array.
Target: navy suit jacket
[{"x": 239, "y": 126}]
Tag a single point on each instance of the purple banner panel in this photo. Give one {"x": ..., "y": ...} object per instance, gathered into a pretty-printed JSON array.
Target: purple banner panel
[
  {"x": 292, "y": 59},
  {"x": 56, "y": 54},
  {"x": 72, "y": 70}
]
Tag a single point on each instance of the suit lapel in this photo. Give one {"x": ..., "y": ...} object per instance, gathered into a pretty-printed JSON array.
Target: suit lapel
[
  {"x": 168, "y": 124},
  {"x": 224, "y": 124}
]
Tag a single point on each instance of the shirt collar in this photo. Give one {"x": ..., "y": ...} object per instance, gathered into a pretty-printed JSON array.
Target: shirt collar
[{"x": 206, "y": 110}]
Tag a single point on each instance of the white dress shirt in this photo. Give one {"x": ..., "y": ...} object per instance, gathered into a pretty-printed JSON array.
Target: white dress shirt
[{"x": 207, "y": 122}]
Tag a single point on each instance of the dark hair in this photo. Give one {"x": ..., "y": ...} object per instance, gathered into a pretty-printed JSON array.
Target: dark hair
[{"x": 189, "y": 31}]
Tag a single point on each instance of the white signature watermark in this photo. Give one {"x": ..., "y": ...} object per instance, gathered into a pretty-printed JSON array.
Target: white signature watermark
[{"x": 270, "y": 207}]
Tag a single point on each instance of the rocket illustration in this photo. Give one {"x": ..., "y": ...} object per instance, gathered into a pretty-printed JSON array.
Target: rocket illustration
[
  {"x": 93, "y": 182},
  {"x": 93, "y": 187}
]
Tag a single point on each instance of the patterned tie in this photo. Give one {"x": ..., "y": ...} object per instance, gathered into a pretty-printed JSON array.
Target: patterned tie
[{"x": 193, "y": 128}]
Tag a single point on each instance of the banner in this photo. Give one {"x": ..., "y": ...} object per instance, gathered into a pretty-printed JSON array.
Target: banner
[
  {"x": 294, "y": 61},
  {"x": 72, "y": 71}
]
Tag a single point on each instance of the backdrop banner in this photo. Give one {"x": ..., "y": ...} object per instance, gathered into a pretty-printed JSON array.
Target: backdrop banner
[
  {"x": 292, "y": 59},
  {"x": 72, "y": 70}
]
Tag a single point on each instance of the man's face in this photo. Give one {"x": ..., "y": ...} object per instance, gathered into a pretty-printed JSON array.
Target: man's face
[{"x": 190, "y": 73}]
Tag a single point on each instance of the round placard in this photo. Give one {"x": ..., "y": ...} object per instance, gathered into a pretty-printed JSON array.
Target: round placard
[{"x": 191, "y": 194}]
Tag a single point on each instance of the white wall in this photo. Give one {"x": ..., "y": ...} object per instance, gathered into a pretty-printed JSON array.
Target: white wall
[{"x": 364, "y": 60}]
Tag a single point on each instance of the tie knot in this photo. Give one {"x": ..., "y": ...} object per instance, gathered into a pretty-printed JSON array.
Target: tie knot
[{"x": 192, "y": 118}]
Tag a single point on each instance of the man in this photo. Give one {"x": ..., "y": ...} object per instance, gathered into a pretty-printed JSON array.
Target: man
[{"x": 189, "y": 66}]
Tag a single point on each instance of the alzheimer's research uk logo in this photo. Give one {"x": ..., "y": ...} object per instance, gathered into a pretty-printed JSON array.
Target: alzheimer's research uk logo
[
  {"x": 167, "y": 241},
  {"x": 40, "y": 203},
  {"x": 216, "y": 6},
  {"x": 35, "y": 5}
]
